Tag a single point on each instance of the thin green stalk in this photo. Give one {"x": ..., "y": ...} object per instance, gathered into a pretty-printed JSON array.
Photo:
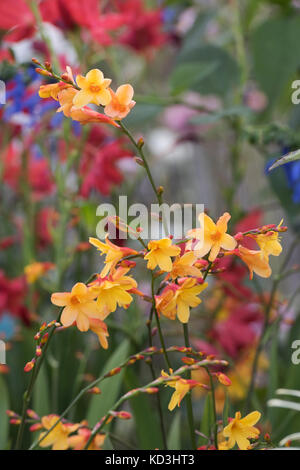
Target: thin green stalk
[
  {"x": 213, "y": 395},
  {"x": 161, "y": 337},
  {"x": 189, "y": 405}
]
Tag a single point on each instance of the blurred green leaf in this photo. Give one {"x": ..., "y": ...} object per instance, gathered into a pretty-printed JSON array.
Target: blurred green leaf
[
  {"x": 147, "y": 430},
  {"x": 206, "y": 420},
  {"x": 224, "y": 113},
  {"x": 111, "y": 387},
  {"x": 4, "y": 405},
  {"x": 220, "y": 80},
  {"x": 189, "y": 76},
  {"x": 174, "y": 441},
  {"x": 275, "y": 55},
  {"x": 41, "y": 402}
]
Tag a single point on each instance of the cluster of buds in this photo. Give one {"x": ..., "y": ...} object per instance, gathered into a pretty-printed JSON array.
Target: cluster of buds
[{"x": 41, "y": 338}]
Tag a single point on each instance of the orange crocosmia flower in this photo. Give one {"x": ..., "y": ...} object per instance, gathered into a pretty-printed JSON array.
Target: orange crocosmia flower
[
  {"x": 185, "y": 297},
  {"x": 255, "y": 261},
  {"x": 100, "y": 328},
  {"x": 113, "y": 291},
  {"x": 240, "y": 430},
  {"x": 165, "y": 302},
  {"x": 114, "y": 253},
  {"x": 36, "y": 270},
  {"x": 85, "y": 114},
  {"x": 79, "y": 305},
  {"x": 58, "y": 437},
  {"x": 52, "y": 90},
  {"x": 212, "y": 236},
  {"x": 79, "y": 440},
  {"x": 160, "y": 253},
  {"x": 183, "y": 266},
  {"x": 94, "y": 89},
  {"x": 182, "y": 387},
  {"x": 121, "y": 102}
]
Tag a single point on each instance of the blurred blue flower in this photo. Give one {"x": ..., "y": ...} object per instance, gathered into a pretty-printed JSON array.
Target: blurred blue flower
[{"x": 7, "y": 326}]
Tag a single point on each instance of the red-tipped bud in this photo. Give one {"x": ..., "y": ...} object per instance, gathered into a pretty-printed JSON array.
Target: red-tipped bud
[
  {"x": 113, "y": 372},
  {"x": 32, "y": 414},
  {"x": 36, "y": 427},
  {"x": 38, "y": 351},
  {"x": 15, "y": 421},
  {"x": 43, "y": 72},
  {"x": 152, "y": 390},
  {"x": 95, "y": 391},
  {"x": 267, "y": 437},
  {"x": 223, "y": 379},
  {"x": 188, "y": 360},
  {"x": 139, "y": 161},
  {"x": 35, "y": 61},
  {"x": 29, "y": 366},
  {"x": 140, "y": 142},
  {"x": 44, "y": 339}
]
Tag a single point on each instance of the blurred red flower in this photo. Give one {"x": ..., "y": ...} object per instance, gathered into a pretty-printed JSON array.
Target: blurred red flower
[{"x": 12, "y": 294}]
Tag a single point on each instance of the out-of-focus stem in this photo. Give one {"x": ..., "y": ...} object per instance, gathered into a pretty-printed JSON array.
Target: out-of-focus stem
[{"x": 189, "y": 404}]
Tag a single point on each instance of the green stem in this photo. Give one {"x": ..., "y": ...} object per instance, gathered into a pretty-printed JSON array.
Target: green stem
[
  {"x": 212, "y": 386},
  {"x": 189, "y": 405},
  {"x": 161, "y": 337}
]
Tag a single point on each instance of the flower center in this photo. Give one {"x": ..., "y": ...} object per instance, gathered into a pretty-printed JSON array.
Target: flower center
[
  {"x": 216, "y": 237},
  {"x": 95, "y": 88},
  {"x": 74, "y": 300}
]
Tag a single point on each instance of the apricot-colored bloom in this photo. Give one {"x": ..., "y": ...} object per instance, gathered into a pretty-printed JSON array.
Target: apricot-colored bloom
[
  {"x": 85, "y": 114},
  {"x": 183, "y": 266},
  {"x": 114, "y": 253},
  {"x": 185, "y": 296},
  {"x": 269, "y": 243},
  {"x": 160, "y": 254},
  {"x": 121, "y": 102},
  {"x": 58, "y": 437},
  {"x": 100, "y": 328},
  {"x": 212, "y": 236},
  {"x": 182, "y": 387},
  {"x": 255, "y": 261},
  {"x": 113, "y": 291},
  {"x": 36, "y": 270},
  {"x": 79, "y": 441},
  {"x": 52, "y": 90},
  {"x": 240, "y": 430},
  {"x": 93, "y": 89},
  {"x": 79, "y": 306}
]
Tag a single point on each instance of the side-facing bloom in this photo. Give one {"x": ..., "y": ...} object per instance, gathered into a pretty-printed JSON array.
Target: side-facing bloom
[
  {"x": 181, "y": 386},
  {"x": 255, "y": 261},
  {"x": 79, "y": 306},
  {"x": 160, "y": 253},
  {"x": 121, "y": 102},
  {"x": 36, "y": 270},
  {"x": 100, "y": 328},
  {"x": 94, "y": 89},
  {"x": 114, "y": 253},
  {"x": 79, "y": 440},
  {"x": 113, "y": 291},
  {"x": 184, "y": 266},
  {"x": 212, "y": 236},
  {"x": 83, "y": 115},
  {"x": 58, "y": 437},
  {"x": 52, "y": 90},
  {"x": 184, "y": 296},
  {"x": 240, "y": 430}
]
